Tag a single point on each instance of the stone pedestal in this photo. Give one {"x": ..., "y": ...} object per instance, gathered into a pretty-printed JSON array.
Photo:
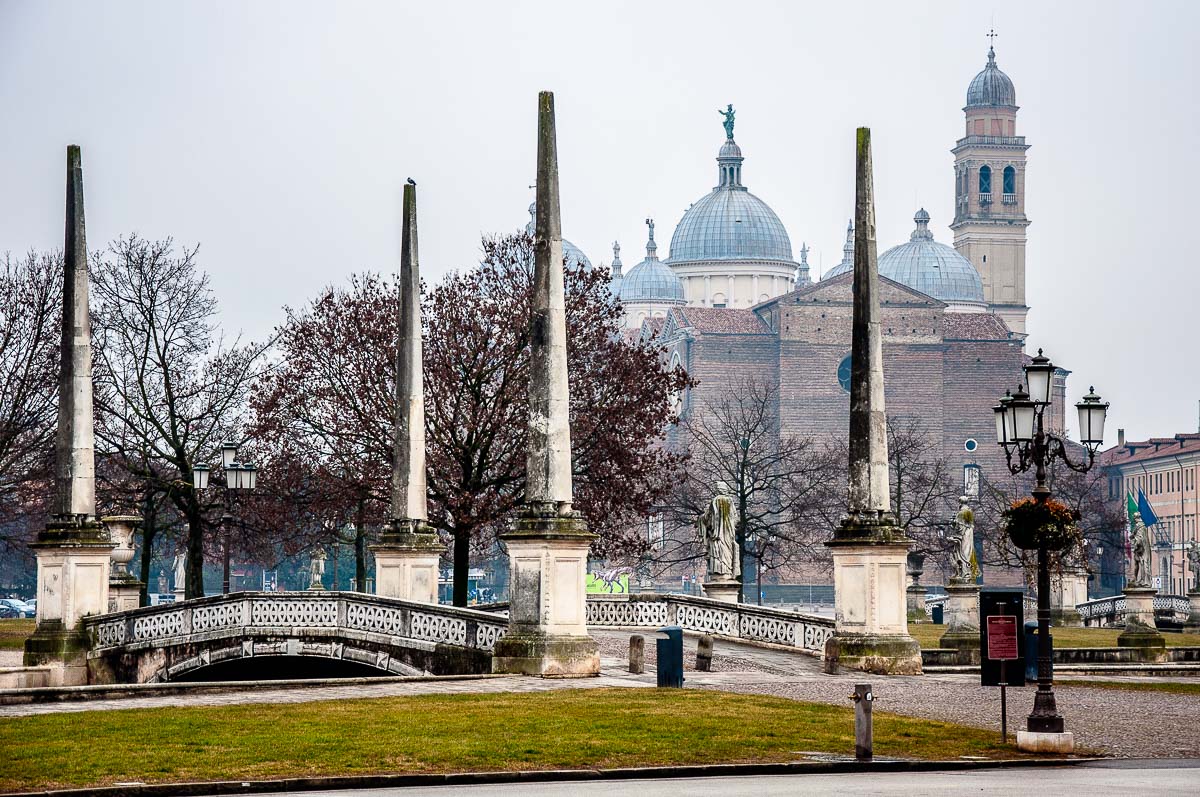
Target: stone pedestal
[
  {"x": 547, "y": 632},
  {"x": 871, "y": 624},
  {"x": 1036, "y": 742},
  {"x": 961, "y": 616},
  {"x": 725, "y": 590},
  {"x": 916, "y": 604},
  {"x": 1066, "y": 592},
  {"x": 406, "y": 563},
  {"x": 124, "y": 591},
  {"x": 1140, "y": 628},
  {"x": 73, "y": 563},
  {"x": 1193, "y": 621}
]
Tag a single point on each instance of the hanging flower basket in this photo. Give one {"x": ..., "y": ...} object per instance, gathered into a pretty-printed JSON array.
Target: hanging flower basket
[{"x": 1031, "y": 523}]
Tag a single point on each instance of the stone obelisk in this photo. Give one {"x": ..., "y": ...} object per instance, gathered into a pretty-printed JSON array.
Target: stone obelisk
[
  {"x": 869, "y": 549},
  {"x": 548, "y": 542},
  {"x": 73, "y": 551},
  {"x": 406, "y": 558}
]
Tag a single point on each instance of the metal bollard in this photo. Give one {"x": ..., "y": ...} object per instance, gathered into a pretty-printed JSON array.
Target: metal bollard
[
  {"x": 704, "y": 653},
  {"x": 864, "y": 742},
  {"x": 637, "y": 654}
]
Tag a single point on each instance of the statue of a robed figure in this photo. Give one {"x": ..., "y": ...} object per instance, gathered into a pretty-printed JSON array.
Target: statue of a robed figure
[{"x": 717, "y": 527}]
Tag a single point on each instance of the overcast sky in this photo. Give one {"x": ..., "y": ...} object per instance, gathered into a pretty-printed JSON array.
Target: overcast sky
[{"x": 278, "y": 135}]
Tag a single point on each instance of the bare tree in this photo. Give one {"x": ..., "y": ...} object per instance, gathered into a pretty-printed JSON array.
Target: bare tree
[
  {"x": 168, "y": 390},
  {"x": 30, "y": 312},
  {"x": 779, "y": 482}
]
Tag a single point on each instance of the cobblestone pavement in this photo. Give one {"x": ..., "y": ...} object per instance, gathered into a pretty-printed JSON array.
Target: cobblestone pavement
[{"x": 1117, "y": 722}]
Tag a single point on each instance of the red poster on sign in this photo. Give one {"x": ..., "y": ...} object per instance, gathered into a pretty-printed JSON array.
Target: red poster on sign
[{"x": 1002, "y": 637}]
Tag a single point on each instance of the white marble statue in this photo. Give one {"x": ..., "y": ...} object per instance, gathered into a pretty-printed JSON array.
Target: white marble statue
[
  {"x": 718, "y": 532},
  {"x": 1193, "y": 561},
  {"x": 316, "y": 569},
  {"x": 964, "y": 539},
  {"x": 1141, "y": 550},
  {"x": 180, "y": 568}
]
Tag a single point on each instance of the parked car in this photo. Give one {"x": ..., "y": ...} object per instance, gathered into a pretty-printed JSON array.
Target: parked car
[
  {"x": 18, "y": 608},
  {"x": 8, "y": 612}
]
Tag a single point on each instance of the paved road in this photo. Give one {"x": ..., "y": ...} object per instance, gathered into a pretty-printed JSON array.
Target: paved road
[{"x": 1095, "y": 780}]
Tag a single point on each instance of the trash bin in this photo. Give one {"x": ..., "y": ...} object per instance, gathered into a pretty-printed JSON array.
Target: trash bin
[
  {"x": 670, "y": 656},
  {"x": 937, "y": 613},
  {"x": 1031, "y": 650}
]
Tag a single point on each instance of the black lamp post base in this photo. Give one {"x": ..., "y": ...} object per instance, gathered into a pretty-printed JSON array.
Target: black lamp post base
[{"x": 1049, "y": 723}]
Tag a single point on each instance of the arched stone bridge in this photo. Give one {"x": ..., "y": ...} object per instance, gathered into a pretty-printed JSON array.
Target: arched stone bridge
[
  {"x": 272, "y": 634},
  {"x": 244, "y": 635}
]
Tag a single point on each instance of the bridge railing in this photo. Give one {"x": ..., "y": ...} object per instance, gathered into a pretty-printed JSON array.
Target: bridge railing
[
  {"x": 286, "y": 612},
  {"x": 1028, "y": 602},
  {"x": 1113, "y": 607},
  {"x": 705, "y": 615}
]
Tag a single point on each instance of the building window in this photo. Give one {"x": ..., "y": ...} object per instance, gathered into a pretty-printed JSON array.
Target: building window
[
  {"x": 1010, "y": 180},
  {"x": 843, "y": 373},
  {"x": 985, "y": 179}
]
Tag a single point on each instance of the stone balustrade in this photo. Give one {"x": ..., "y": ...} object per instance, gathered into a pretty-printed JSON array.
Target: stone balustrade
[{"x": 1112, "y": 609}]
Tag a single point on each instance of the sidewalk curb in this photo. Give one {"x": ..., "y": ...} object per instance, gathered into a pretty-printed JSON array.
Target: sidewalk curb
[
  {"x": 59, "y": 694},
  {"x": 545, "y": 776}
]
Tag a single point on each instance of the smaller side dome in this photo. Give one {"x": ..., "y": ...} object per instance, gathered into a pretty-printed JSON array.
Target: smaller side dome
[
  {"x": 991, "y": 87},
  {"x": 934, "y": 269},
  {"x": 847, "y": 264},
  {"x": 652, "y": 280},
  {"x": 571, "y": 252}
]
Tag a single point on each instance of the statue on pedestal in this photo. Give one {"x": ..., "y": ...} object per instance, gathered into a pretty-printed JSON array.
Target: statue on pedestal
[
  {"x": 728, "y": 113},
  {"x": 180, "y": 567},
  {"x": 1141, "y": 549},
  {"x": 964, "y": 539},
  {"x": 718, "y": 531},
  {"x": 1193, "y": 563}
]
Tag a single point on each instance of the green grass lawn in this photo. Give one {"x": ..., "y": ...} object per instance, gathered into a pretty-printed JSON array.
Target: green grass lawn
[
  {"x": 576, "y": 728},
  {"x": 929, "y": 635},
  {"x": 1171, "y": 687},
  {"x": 14, "y": 631}
]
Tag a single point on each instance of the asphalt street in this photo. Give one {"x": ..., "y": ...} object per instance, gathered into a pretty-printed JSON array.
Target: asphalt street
[{"x": 1101, "y": 779}]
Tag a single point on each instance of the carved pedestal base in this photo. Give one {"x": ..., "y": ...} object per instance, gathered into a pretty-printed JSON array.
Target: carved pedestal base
[
  {"x": 871, "y": 624},
  {"x": 406, "y": 563},
  {"x": 1035, "y": 742},
  {"x": 726, "y": 591},
  {"x": 124, "y": 595},
  {"x": 916, "y": 604},
  {"x": 961, "y": 616},
  {"x": 73, "y": 562},
  {"x": 1068, "y": 591},
  {"x": 1193, "y": 621},
  {"x": 547, "y": 613},
  {"x": 1140, "y": 628}
]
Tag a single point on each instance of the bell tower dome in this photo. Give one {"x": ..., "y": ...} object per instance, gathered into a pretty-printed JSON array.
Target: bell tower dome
[{"x": 989, "y": 193}]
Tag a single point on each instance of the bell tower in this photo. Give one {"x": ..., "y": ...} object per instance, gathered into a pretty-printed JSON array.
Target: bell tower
[{"x": 989, "y": 193}]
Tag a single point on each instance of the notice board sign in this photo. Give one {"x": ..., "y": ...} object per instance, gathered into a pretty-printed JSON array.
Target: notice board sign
[
  {"x": 1002, "y": 642},
  {"x": 1001, "y": 636}
]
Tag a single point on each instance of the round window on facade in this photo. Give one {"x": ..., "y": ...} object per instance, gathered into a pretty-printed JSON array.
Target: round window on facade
[
  {"x": 971, "y": 444},
  {"x": 844, "y": 373}
]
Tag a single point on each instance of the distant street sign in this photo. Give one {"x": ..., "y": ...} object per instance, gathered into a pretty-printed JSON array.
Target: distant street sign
[{"x": 1002, "y": 638}]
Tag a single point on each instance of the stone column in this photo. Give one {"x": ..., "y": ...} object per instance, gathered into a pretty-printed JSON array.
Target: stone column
[
  {"x": 548, "y": 543},
  {"x": 869, "y": 549},
  {"x": 1068, "y": 590},
  {"x": 407, "y": 556},
  {"x": 1140, "y": 629},
  {"x": 124, "y": 590},
  {"x": 73, "y": 551}
]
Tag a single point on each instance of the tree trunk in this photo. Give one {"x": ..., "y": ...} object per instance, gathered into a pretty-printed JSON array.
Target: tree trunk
[
  {"x": 149, "y": 532},
  {"x": 360, "y": 546},
  {"x": 194, "y": 582},
  {"x": 462, "y": 564}
]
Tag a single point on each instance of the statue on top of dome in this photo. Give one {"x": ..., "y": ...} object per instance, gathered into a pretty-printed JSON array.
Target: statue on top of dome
[{"x": 728, "y": 123}]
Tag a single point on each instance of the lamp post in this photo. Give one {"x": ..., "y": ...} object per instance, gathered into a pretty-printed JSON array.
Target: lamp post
[
  {"x": 238, "y": 477},
  {"x": 1020, "y": 429}
]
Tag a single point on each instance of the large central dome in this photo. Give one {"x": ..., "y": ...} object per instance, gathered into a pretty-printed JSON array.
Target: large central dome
[{"x": 730, "y": 223}]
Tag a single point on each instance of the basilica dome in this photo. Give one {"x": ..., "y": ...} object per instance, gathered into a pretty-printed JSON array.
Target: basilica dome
[
  {"x": 651, "y": 280},
  {"x": 991, "y": 87},
  {"x": 730, "y": 223},
  {"x": 934, "y": 269},
  {"x": 571, "y": 252}
]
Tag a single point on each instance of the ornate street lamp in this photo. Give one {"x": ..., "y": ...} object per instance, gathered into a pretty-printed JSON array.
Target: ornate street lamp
[
  {"x": 1020, "y": 429},
  {"x": 238, "y": 477}
]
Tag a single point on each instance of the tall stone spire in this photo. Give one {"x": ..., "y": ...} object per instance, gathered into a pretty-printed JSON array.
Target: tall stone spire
[
  {"x": 617, "y": 265},
  {"x": 408, "y": 471},
  {"x": 870, "y": 497},
  {"x": 548, "y": 464},
  {"x": 74, "y": 457},
  {"x": 803, "y": 276},
  {"x": 407, "y": 555}
]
